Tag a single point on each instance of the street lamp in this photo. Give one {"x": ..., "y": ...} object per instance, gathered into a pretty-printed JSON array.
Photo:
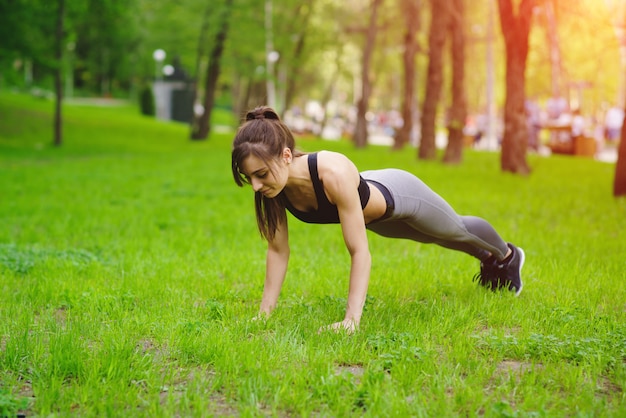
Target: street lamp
[
  {"x": 168, "y": 70},
  {"x": 159, "y": 57},
  {"x": 273, "y": 56}
]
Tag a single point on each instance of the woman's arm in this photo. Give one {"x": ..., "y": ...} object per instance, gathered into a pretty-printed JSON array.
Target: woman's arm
[
  {"x": 341, "y": 180},
  {"x": 275, "y": 269}
]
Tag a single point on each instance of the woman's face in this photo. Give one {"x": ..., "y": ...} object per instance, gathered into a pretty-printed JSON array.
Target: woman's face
[{"x": 270, "y": 181}]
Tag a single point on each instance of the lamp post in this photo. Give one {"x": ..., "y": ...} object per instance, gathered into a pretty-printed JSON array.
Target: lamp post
[
  {"x": 159, "y": 57},
  {"x": 272, "y": 57}
]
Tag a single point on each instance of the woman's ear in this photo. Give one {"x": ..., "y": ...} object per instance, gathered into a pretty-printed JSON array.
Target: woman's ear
[{"x": 287, "y": 155}]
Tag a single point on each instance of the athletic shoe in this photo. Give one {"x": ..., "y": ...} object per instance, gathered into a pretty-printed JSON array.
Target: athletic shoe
[
  {"x": 511, "y": 273},
  {"x": 489, "y": 275},
  {"x": 496, "y": 275}
]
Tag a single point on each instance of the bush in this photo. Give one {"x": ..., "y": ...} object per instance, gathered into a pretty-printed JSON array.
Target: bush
[{"x": 146, "y": 101}]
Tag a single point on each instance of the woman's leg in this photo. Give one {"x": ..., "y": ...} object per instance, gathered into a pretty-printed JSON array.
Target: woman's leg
[{"x": 422, "y": 215}]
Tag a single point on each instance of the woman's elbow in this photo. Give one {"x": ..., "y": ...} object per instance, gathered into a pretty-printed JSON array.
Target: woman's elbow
[
  {"x": 282, "y": 250},
  {"x": 361, "y": 254}
]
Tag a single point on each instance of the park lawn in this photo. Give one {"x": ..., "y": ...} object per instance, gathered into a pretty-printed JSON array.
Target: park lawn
[{"x": 130, "y": 269}]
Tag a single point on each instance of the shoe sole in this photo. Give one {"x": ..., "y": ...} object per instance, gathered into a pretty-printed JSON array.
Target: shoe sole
[{"x": 521, "y": 264}]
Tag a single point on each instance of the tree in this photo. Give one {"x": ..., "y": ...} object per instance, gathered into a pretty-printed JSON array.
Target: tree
[
  {"x": 447, "y": 21},
  {"x": 327, "y": 95},
  {"x": 458, "y": 108},
  {"x": 107, "y": 44},
  {"x": 26, "y": 27},
  {"x": 27, "y": 32},
  {"x": 411, "y": 11},
  {"x": 15, "y": 17},
  {"x": 58, "y": 71},
  {"x": 434, "y": 78},
  {"x": 516, "y": 29},
  {"x": 619, "y": 184},
  {"x": 360, "y": 130},
  {"x": 202, "y": 126},
  {"x": 299, "y": 30}
]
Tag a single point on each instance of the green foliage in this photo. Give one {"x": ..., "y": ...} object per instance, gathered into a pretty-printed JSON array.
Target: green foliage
[
  {"x": 584, "y": 30},
  {"x": 21, "y": 260},
  {"x": 108, "y": 48},
  {"x": 10, "y": 405},
  {"x": 107, "y": 43},
  {"x": 25, "y": 27},
  {"x": 130, "y": 269}
]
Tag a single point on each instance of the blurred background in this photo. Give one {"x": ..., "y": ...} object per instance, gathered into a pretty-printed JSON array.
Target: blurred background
[{"x": 322, "y": 64}]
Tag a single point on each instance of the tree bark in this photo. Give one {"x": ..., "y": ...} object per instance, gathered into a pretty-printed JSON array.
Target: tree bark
[
  {"x": 515, "y": 29},
  {"x": 458, "y": 108},
  {"x": 619, "y": 184},
  {"x": 58, "y": 80},
  {"x": 436, "y": 40},
  {"x": 411, "y": 11},
  {"x": 360, "y": 130},
  {"x": 203, "y": 126}
]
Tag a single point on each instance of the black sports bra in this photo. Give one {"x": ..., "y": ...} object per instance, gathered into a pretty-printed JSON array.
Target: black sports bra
[{"x": 326, "y": 212}]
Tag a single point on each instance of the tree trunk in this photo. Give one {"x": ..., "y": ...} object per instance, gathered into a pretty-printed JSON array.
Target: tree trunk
[
  {"x": 436, "y": 40},
  {"x": 58, "y": 81},
  {"x": 360, "y": 130},
  {"x": 196, "y": 73},
  {"x": 302, "y": 19},
  {"x": 203, "y": 125},
  {"x": 411, "y": 10},
  {"x": 292, "y": 75},
  {"x": 458, "y": 109},
  {"x": 328, "y": 93},
  {"x": 619, "y": 185},
  {"x": 515, "y": 30}
]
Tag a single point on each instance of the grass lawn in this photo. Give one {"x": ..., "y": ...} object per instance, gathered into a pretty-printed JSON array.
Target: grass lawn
[{"x": 130, "y": 269}]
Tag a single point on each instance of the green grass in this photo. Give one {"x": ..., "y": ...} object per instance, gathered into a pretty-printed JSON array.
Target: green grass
[{"x": 130, "y": 268}]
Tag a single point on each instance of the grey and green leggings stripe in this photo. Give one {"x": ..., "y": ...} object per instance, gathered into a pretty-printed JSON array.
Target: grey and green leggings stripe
[{"x": 421, "y": 215}]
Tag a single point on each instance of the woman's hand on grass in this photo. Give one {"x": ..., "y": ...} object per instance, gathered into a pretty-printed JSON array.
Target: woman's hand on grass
[
  {"x": 261, "y": 316},
  {"x": 349, "y": 326}
]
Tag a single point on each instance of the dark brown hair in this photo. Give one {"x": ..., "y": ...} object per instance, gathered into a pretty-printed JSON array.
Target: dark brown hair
[{"x": 265, "y": 136}]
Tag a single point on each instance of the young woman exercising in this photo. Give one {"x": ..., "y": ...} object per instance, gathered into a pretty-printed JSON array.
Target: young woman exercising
[{"x": 326, "y": 187}]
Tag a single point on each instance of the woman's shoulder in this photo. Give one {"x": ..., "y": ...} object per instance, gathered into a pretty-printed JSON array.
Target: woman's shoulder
[
  {"x": 332, "y": 163},
  {"x": 332, "y": 158}
]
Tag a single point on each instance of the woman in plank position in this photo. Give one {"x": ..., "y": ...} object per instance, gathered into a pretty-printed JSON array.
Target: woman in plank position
[{"x": 326, "y": 187}]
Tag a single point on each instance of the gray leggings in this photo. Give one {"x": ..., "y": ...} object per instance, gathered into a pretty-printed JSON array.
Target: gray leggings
[{"x": 422, "y": 215}]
